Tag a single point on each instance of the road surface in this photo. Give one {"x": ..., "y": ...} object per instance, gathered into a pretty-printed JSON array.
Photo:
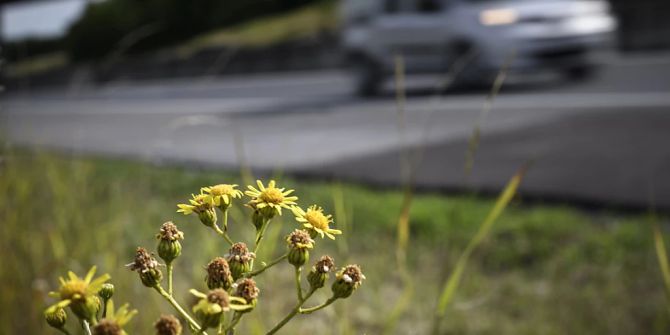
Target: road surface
[{"x": 606, "y": 141}]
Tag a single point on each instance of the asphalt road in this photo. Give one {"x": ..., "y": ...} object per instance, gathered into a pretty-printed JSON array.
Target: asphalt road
[{"x": 604, "y": 142}]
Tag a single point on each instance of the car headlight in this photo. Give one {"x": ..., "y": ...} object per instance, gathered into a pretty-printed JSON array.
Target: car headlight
[{"x": 497, "y": 17}]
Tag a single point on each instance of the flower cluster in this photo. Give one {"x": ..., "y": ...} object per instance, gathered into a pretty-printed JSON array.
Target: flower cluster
[{"x": 231, "y": 291}]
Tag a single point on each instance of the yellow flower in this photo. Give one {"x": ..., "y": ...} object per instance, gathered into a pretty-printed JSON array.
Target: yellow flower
[
  {"x": 114, "y": 321},
  {"x": 315, "y": 221},
  {"x": 222, "y": 194},
  {"x": 198, "y": 204},
  {"x": 77, "y": 289},
  {"x": 80, "y": 293},
  {"x": 270, "y": 198}
]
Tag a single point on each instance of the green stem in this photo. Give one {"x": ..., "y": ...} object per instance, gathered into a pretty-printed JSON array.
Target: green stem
[
  {"x": 293, "y": 313},
  {"x": 169, "y": 277},
  {"x": 316, "y": 308},
  {"x": 298, "y": 287},
  {"x": 193, "y": 325},
  {"x": 259, "y": 236},
  {"x": 273, "y": 263},
  {"x": 223, "y": 233},
  {"x": 230, "y": 330},
  {"x": 104, "y": 308}
]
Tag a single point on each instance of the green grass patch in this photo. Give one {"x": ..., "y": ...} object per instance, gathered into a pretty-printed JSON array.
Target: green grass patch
[
  {"x": 302, "y": 23},
  {"x": 544, "y": 269}
]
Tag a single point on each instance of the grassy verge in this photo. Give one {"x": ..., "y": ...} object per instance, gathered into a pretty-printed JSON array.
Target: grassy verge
[
  {"x": 305, "y": 22},
  {"x": 543, "y": 270}
]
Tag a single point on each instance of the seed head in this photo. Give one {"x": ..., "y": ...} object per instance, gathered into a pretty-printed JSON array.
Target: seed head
[
  {"x": 147, "y": 267},
  {"x": 168, "y": 325},
  {"x": 169, "y": 232},
  {"x": 347, "y": 281},
  {"x": 107, "y": 327},
  {"x": 247, "y": 290},
  {"x": 218, "y": 274},
  {"x": 239, "y": 258}
]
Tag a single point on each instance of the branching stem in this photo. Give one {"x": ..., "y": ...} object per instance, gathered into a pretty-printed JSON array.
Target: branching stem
[
  {"x": 293, "y": 313},
  {"x": 271, "y": 264},
  {"x": 192, "y": 324}
]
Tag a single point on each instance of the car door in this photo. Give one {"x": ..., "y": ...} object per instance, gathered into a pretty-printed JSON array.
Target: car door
[{"x": 415, "y": 29}]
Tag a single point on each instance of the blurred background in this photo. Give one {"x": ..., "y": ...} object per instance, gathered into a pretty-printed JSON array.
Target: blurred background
[{"x": 391, "y": 114}]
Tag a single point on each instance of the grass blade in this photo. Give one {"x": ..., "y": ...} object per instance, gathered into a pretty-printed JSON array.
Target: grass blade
[
  {"x": 454, "y": 279},
  {"x": 662, "y": 255}
]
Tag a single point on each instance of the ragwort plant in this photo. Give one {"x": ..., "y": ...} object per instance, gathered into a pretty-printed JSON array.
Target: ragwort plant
[{"x": 233, "y": 292}]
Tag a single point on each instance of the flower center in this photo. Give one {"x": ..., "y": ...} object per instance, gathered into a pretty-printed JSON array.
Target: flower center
[
  {"x": 317, "y": 219},
  {"x": 222, "y": 189},
  {"x": 74, "y": 290},
  {"x": 272, "y": 195}
]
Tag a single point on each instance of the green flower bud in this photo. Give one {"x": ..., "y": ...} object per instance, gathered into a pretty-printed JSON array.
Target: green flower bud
[
  {"x": 247, "y": 290},
  {"x": 151, "y": 278},
  {"x": 218, "y": 274},
  {"x": 107, "y": 327},
  {"x": 319, "y": 274},
  {"x": 239, "y": 259},
  {"x": 168, "y": 325},
  {"x": 87, "y": 308},
  {"x": 169, "y": 247},
  {"x": 106, "y": 292},
  {"x": 258, "y": 219},
  {"x": 55, "y": 316},
  {"x": 298, "y": 257},
  {"x": 208, "y": 217},
  {"x": 147, "y": 267},
  {"x": 347, "y": 281}
]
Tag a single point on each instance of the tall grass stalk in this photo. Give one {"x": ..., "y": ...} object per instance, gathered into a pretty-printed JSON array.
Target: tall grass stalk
[
  {"x": 662, "y": 255},
  {"x": 454, "y": 279},
  {"x": 473, "y": 141}
]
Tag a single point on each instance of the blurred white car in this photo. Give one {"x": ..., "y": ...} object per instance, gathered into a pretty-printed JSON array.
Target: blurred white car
[{"x": 436, "y": 36}]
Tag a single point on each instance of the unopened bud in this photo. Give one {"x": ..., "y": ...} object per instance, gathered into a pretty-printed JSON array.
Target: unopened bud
[
  {"x": 55, "y": 316},
  {"x": 208, "y": 217},
  {"x": 106, "y": 292},
  {"x": 299, "y": 243}
]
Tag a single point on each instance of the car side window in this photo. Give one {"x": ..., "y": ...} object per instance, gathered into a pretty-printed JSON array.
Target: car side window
[
  {"x": 428, "y": 6},
  {"x": 391, "y": 6}
]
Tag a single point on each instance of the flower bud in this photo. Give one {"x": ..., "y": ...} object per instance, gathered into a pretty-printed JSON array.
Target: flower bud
[
  {"x": 169, "y": 247},
  {"x": 319, "y": 274},
  {"x": 106, "y": 292},
  {"x": 87, "y": 308},
  {"x": 257, "y": 219},
  {"x": 299, "y": 243},
  {"x": 147, "y": 267},
  {"x": 239, "y": 259},
  {"x": 218, "y": 274},
  {"x": 208, "y": 217},
  {"x": 168, "y": 325},
  {"x": 247, "y": 290},
  {"x": 55, "y": 316},
  {"x": 347, "y": 281}
]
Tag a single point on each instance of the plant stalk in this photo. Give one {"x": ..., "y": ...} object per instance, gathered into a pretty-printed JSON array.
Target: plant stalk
[
  {"x": 193, "y": 325},
  {"x": 271, "y": 264},
  {"x": 290, "y": 315}
]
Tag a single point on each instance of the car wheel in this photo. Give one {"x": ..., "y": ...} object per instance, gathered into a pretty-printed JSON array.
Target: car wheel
[
  {"x": 581, "y": 72},
  {"x": 368, "y": 76}
]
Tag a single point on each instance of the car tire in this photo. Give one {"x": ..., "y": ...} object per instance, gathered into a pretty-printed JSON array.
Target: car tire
[
  {"x": 368, "y": 76},
  {"x": 581, "y": 72}
]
